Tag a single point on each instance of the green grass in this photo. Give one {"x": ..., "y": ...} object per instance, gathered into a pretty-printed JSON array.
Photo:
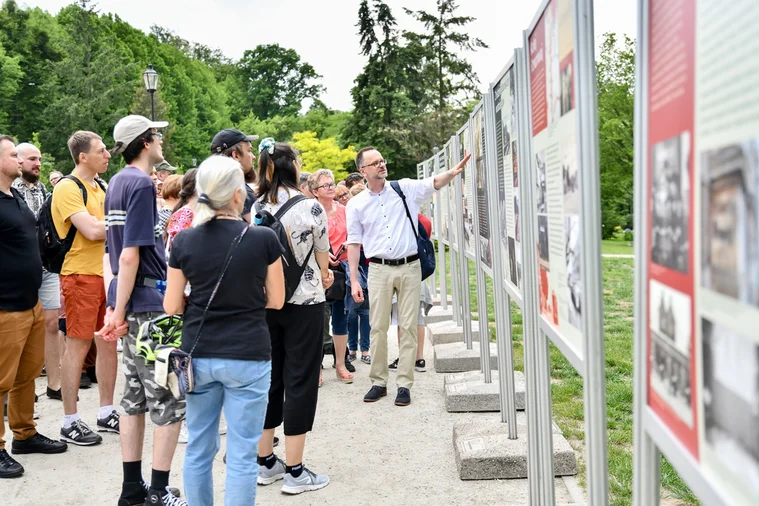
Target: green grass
[
  {"x": 567, "y": 387},
  {"x": 616, "y": 247}
]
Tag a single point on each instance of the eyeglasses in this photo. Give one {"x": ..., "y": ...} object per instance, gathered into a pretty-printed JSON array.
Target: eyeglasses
[
  {"x": 326, "y": 186},
  {"x": 375, "y": 164},
  {"x": 343, "y": 196}
]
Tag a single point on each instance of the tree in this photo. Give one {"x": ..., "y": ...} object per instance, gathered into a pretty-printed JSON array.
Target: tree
[
  {"x": 274, "y": 81},
  {"x": 616, "y": 109},
  {"x": 10, "y": 80},
  {"x": 449, "y": 76},
  {"x": 324, "y": 154}
]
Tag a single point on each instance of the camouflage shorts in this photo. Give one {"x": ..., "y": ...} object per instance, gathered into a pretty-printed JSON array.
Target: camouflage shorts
[{"x": 141, "y": 392}]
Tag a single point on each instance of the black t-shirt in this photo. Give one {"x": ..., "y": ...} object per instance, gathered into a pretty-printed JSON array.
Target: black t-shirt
[
  {"x": 250, "y": 199},
  {"x": 235, "y": 326},
  {"x": 20, "y": 261}
]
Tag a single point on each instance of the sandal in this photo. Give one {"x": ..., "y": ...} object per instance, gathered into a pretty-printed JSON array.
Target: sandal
[
  {"x": 352, "y": 356},
  {"x": 367, "y": 359},
  {"x": 345, "y": 378}
]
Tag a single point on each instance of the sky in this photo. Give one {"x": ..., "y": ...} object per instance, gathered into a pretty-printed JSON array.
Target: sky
[{"x": 324, "y": 32}]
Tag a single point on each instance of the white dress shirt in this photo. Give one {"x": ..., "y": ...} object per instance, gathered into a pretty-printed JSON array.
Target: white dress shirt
[{"x": 378, "y": 221}]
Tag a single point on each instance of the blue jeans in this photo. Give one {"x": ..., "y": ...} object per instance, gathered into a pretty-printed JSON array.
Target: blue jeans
[
  {"x": 241, "y": 387},
  {"x": 358, "y": 320}
]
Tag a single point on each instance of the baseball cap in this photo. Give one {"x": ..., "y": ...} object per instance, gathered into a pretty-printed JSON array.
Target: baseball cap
[
  {"x": 228, "y": 138},
  {"x": 164, "y": 165},
  {"x": 131, "y": 127}
]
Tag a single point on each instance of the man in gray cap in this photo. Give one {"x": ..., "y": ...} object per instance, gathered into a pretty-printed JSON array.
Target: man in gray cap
[
  {"x": 164, "y": 170},
  {"x": 235, "y": 144}
]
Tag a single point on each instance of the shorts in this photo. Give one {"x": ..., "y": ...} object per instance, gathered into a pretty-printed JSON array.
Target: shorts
[
  {"x": 394, "y": 314},
  {"x": 85, "y": 304},
  {"x": 50, "y": 291},
  {"x": 339, "y": 318},
  {"x": 141, "y": 393}
]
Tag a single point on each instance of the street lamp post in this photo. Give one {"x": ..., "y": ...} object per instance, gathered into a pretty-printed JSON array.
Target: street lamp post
[{"x": 150, "y": 77}]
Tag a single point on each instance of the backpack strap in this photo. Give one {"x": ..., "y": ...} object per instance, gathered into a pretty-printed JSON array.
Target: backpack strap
[
  {"x": 81, "y": 187},
  {"x": 397, "y": 187},
  {"x": 287, "y": 205}
]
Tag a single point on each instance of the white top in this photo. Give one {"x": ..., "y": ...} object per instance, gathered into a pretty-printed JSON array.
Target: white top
[
  {"x": 306, "y": 225},
  {"x": 378, "y": 220}
]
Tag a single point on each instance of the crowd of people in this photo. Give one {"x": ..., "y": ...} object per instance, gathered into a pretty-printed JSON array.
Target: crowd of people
[{"x": 259, "y": 258}]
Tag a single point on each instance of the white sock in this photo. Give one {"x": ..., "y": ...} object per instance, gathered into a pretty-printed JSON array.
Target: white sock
[
  {"x": 68, "y": 420},
  {"x": 105, "y": 411}
]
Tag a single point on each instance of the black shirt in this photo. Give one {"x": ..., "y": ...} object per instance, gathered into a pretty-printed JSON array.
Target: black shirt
[
  {"x": 250, "y": 199},
  {"x": 235, "y": 326},
  {"x": 20, "y": 262}
]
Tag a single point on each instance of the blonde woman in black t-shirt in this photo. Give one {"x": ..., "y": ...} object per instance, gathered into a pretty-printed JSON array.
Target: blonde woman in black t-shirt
[{"x": 232, "y": 350}]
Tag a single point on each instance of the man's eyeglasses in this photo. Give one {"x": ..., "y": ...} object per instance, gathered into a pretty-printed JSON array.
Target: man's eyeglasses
[
  {"x": 326, "y": 186},
  {"x": 375, "y": 164}
]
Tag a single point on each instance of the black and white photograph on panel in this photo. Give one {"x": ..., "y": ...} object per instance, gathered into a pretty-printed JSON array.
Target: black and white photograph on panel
[
  {"x": 545, "y": 257},
  {"x": 731, "y": 401},
  {"x": 671, "y": 333},
  {"x": 513, "y": 276},
  {"x": 670, "y": 206},
  {"x": 730, "y": 221},
  {"x": 517, "y": 220},
  {"x": 540, "y": 182},
  {"x": 566, "y": 89},
  {"x": 574, "y": 273},
  {"x": 515, "y": 163},
  {"x": 468, "y": 221},
  {"x": 569, "y": 176}
]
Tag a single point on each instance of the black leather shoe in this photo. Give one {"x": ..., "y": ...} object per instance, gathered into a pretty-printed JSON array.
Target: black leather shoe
[
  {"x": 38, "y": 444},
  {"x": 404, "y": 397},
  {"x": 349, "y": 366},
  {"x": 85, "y": 381},
  {"x": 374, "y": 394},
  {"x": 54, "y": 394},
  {"x": 9, "y": 468}
]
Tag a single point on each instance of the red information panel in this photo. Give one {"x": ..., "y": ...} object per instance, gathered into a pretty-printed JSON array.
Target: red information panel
[{"x": 671, "y": 267}]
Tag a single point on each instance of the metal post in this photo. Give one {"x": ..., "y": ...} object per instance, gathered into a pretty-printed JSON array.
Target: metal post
[
  {"x": 506, "y": 388},
  {"x": 590, "y": 216},
  {"x": 152, "y": 106},
  {"x": 646, "y": 457},
  {"x": 463, "y": 261},
  {"x": 440, "y": 239},
  {"x": 482, "y": 301},
  {"x": 541, "y": 486}
]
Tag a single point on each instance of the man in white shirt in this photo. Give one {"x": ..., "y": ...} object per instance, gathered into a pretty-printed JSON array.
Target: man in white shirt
[{"x": 377, "y": 221}]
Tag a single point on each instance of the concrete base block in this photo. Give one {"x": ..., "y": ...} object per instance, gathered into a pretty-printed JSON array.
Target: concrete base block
[
  {"x": 436, "y": 299},
  {"x": 438, "y": 314},
  {"x": 485, "y": 452},
  {"x": 448, "y": 332},
  {"x": 455, "y": 357},
  {"x": 467, "y": 391}
]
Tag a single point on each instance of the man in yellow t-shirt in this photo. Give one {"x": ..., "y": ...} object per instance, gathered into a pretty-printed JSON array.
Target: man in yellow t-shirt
[{"x": 83, "y": 288}]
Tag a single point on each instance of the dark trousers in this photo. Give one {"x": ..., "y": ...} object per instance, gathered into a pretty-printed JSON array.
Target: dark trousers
[{"x": 296, "y": 354}]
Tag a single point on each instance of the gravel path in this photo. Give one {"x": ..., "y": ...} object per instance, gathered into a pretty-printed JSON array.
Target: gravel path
[{"x": 373, "y": 453}]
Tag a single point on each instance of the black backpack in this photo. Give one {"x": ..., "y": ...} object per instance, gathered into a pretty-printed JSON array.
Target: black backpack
[
  {"x": 424, "y": 245},
  {"x": 293, "y": 271},
  {"x": 53, "y": 249}
]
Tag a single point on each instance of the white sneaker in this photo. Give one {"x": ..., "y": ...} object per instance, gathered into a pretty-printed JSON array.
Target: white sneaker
[
  {"x": 183, "y": 433},
  {"x": 306, "y": 482},
  {"x": 268, "y": 476},
  {"x": 119, "y": 345}
]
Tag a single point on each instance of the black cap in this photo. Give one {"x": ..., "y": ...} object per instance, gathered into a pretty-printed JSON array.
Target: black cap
[{"x": 228, "y": 138}]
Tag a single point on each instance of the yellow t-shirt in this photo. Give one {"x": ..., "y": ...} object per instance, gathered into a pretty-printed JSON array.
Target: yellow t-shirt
[{"x": 85, "y": 256}]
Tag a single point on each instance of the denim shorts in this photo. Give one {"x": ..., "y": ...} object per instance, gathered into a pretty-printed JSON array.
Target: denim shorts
[
  {"x": 394, "y": 314},
  {"x": 339, "y": 318}
]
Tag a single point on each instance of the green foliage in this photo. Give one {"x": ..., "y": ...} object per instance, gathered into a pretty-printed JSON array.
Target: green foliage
[
  {"x": 616, "y": 86},
  {"x": 275, "y": 82},
  {"x": 324, "y": 154}
]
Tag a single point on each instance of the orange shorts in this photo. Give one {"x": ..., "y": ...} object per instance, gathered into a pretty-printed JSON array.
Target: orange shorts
[{"x": 85, "y": 304}]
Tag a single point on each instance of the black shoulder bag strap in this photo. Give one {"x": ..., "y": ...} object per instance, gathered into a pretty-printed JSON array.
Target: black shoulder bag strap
[
  {"x": 228, "y": 260},
  {"x": 397, "y": 187}
]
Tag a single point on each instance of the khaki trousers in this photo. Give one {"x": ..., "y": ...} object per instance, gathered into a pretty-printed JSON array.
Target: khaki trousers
[
  {"x": 383, "y": 281},
  {"x": 22, "y": 341}
]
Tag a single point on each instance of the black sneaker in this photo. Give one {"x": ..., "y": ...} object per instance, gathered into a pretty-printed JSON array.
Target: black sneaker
[
  {"x": 54, "y": 394},
  {"x": 80, "y": 434},
  {"x": 109, "y": 423},
  {"x": 393, "y": 365},
  {"x": 38, "y": 444},
  {"x": 9, "y": 468},
  {"x": 420, "y": 366},
  {"x": 276, "y": 442},
  {"x": 404, "y": 397},
  {"x": 349, "y": 366},
  {"x": 85, "y": 381},
  {"x": 374, "y": 394},
  {"x": 163, "y": 497}
]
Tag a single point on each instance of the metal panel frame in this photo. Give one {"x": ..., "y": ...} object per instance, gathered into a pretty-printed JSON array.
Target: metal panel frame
[
  {"x": 452, "y": 239},
  {"x": 479, "y": 266},
  {"x": 464, "y": 245},
  {"x": 441, "y": 269},
  {"x": 504, "y": 341},
  {"x": 463, "y": 258}
]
